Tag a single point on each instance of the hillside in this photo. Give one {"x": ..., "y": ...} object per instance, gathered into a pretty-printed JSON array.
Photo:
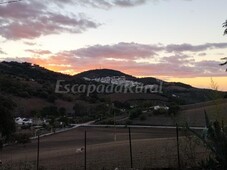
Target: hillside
[
  {"x": 30, "y": 71},
  {"x": 33, "y": 87},
  {"x": 194, "y": 113},
  {"x": 175, "y": 91},
  {"x": 103, "y": 73}
]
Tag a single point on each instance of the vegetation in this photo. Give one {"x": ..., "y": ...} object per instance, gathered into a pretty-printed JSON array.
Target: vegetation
[
  {"x": 215, "y": 139},
  {"x": 28, "y": 71},
  {"x": 160, "y": 111},
  {"x": 225, "y": 32},
  {"x": 22, "y": 138},
  {"x": 173, "y": 109},
  {"x": 135, "y": 113},
  {"x": 225, "y": 26},
  {"x": 7, "y": 125}
]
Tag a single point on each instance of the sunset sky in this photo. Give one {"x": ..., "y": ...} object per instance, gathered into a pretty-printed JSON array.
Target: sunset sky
[{"x": 174, "y": 40}]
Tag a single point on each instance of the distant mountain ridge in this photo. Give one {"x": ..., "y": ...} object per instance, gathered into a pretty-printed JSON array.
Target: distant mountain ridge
[
  {"x": 30, "y": 71},
  {"x": 172, "y": 90},
  {"x": 98, "y": 73},
  {"x": 33, "y": 71}
]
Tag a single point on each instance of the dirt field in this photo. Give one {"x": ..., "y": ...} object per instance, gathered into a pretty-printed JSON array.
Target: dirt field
[
  {"x": 194, "y": 114},
  {"x": 150, "y": 148}
]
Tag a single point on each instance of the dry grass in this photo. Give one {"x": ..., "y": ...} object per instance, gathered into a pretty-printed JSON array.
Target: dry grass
[{"x": 194, "y": 114}]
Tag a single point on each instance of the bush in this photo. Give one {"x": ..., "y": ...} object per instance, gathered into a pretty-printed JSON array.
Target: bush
[
  {"x": 160, "y": 112},
  {"x": 51, "y": 98},
  {"x": 225, "y": 96},
  {"x": 174, "y": 108},
  {"x": 22, "y": 138},
  {"x": 214, "y": 138},
  {"x": 128, "y": 122},
  {"x": 135, "y": 113},
  {"x": 23, "y": 94},
  {"x": 142, "y": 117},
  {"x": 7, "y": 124}
]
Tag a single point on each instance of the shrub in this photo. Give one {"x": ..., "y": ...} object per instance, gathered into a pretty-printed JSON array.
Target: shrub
[
  {"x": 174, "y": 108},
  {"x": 51, "y": 98},
  {"x": 225, "y": 96},
  {"x": 160, "y": 111},
  {"x": 215, "y": 139},
  {"x": 142, "y": 117},
  {"x": 22, "y": 138},
  {"x": 135, "y": 113},
  {"x": 128, "y": 122}
]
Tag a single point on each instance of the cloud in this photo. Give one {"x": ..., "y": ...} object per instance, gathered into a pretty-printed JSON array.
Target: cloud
[
  {"x": 133, "y": 50},
  {"x": 194, "y": 48},
  {"x": 134, "y": 58},
  {"x": 120, "y": 50},
  {"x": 162, "y": 69},
  {"x": 129, "y": 3},
  {"x": 29, "y": 43},
  {"x": 202, "y": 54},
  {"x": 2, "y": 52},
  {"x": 32, "y": 19},
  {"x": 102, "y": 4},
  {"x": 39, "y": 52}
]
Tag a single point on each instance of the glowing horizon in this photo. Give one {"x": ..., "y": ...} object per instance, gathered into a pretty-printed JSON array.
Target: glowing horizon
[{"x": 168, "y": 40}]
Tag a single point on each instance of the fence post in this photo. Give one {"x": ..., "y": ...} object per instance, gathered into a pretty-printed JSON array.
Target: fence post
[
  {"x": 178, "y": 147},
  {"x": 1, "y": 148},
  {"x": 130, "y": 145},
  {"x": 85, "y": 150},
  {"x": 37, "y": 161}
]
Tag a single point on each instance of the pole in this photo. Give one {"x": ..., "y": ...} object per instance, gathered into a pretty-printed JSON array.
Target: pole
[
  {"x": 178, "y": 147},
  {"x": 130, "y": 145},
  {"x": 37, "y": 165},
  {"x": 85, "y": 150},
  {"x": 115, "y": 135},
  {"x": 1, "y": 148}
]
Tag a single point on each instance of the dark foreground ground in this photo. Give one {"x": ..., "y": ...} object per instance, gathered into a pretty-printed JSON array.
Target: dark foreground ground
[{"x": 151, "y": 148}]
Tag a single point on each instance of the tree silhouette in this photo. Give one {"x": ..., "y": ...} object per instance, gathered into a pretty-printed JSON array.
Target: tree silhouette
[
  {"x": 225, "y": 32},
  {"x": 225, "y": 26},
  {"x": 7, "y": 124}
]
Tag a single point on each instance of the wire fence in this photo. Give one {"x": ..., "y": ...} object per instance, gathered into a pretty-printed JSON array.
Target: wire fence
[{"x": 94, "y": 149}]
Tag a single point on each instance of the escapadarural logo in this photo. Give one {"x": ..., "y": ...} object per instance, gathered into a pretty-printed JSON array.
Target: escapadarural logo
[{"x": 107, "y": 85}]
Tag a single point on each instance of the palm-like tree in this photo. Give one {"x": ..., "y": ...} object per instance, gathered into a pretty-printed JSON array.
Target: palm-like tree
[
  {"x": 225, "y": 32},
  {"x": 222, "y": 64},
  {"x": 225, "y": 26}
]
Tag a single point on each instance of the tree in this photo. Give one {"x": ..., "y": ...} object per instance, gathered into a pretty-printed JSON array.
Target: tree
[
  {"x": 222, "y": 64},
  {"x": 225, "y": 26},
  {"x": 135, "y": 113},
  {"x": 62, "y": 111},
  {"x": 225, "y": 32},
  {"x": 80, "y": 109},
  {"x": 50, "y": 111},
  {"x": 7, "y": 124}
]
